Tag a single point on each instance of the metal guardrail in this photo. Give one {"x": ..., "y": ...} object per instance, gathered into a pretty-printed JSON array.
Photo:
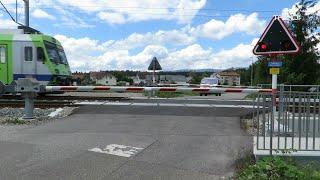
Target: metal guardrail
[
  {"x": 291, "y": 88},
  {"x": 294, "y": 126}
]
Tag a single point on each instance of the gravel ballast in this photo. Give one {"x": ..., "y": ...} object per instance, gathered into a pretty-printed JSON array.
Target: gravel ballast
[{"x": 13, "y": 116}]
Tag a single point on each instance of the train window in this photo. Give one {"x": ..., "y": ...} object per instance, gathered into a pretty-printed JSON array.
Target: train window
[
  {"x": 28, "y": 56},
  {"x": 52, "y": 52},
  {"x": 63, "y": 57},
  {"x": 40, "y": 54},
  {"x": 3, "y": 55}
]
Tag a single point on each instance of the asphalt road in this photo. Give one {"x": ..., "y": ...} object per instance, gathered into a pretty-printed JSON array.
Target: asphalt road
[{"x": 161, "y": 143}]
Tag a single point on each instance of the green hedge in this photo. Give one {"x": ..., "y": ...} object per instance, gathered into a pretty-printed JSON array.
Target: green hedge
[{"x": 277, "y": 168}]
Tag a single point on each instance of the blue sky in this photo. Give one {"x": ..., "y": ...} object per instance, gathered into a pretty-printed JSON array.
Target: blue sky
[{"x": 126, "y": 34}]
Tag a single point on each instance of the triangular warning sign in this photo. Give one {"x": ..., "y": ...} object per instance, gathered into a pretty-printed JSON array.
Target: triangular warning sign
[
  {"x": 154, "y": 65},
  {"x": 276, "y": 39}
]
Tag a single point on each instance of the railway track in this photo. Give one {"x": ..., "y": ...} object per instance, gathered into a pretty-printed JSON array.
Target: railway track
[
  {"x": 37, "y": 104},
  {"x": 70, "y": 98},
  {"x": 17, "y": 101}
]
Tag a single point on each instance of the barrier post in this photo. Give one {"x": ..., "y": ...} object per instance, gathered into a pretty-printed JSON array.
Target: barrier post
[
  {"x": 28, "y": 89},
  {"x": 28, "y": 105}
]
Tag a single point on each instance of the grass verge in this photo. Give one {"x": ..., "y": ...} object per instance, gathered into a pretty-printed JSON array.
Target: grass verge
[
  {"x": 173, "y": 94},
  {"x": 251, "y": 96}
]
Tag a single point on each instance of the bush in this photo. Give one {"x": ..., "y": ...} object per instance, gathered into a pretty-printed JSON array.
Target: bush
[
  {"x": 251, "y": 96},
  {"x": 276, "y": 168}
]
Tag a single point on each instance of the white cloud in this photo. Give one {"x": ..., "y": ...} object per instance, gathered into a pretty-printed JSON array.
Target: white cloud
[
  {"x": 38, "y": 13},
  {"x": 86, "y": 55},
  {"x": 135, "y": 40},
  {"x": 112, "y": 18},
  {"x": 216, "y": 29},
  {"x": 181, "y": 14},
  {"x": 196, "y": 57},
  {"x": 138, "y": 10},
  {"x": 6, "y": 23}
]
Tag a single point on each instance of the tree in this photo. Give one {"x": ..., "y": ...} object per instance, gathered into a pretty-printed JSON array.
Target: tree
[{"x": 304, "y": 67}]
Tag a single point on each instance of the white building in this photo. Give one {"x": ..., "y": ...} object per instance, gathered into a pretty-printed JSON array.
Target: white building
[
  {"x": 173, "y": 79},
  {"x": 230, "y": 78},
  {"x": 137, "y": 80},
  {"x": 103, "y": 78}
]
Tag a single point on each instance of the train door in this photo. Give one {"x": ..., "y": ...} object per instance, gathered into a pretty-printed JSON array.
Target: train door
[
  {"x": 29, "y": 63},
  {"x": 40, "y": 59},
  {"x": 4, "y": 70}
]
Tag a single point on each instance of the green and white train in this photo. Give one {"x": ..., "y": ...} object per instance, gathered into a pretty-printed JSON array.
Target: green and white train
[{"x": 26, "y": 53}]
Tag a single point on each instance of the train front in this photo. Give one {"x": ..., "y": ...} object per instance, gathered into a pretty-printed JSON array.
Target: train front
[{"x": 58, "y": 63}]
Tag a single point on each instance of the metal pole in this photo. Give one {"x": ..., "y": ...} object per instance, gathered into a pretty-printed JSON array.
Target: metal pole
[
  {"x": 26, "y": 12},
  {"x": 281, "y": 101},
  {"x": 252, "y": 72},
  {"x": 28, "y": 106},
  {"x": 274, "y": 108},
  {"x": 16, "y": 10},
  {"x": 154, "y": 77}
]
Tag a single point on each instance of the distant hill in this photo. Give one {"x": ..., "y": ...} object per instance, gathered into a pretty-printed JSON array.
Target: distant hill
[{"x": 197, "y": 70}]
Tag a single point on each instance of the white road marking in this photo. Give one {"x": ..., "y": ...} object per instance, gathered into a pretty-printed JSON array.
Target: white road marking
[
  {"x": 144, "y": 104},
  {"x": 55, "y": 113},
  {"x": 168, "y": 105},
  {"x": 197, "y": 105},
  {"x": 117, "y": 103},
  {"x": 231, "y": 106},
  {"x": 90, "y": 103},
  {"x": 118, "y": 150}
]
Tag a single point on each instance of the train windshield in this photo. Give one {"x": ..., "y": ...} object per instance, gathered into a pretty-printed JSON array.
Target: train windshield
[{"x": 56, "y": 53}]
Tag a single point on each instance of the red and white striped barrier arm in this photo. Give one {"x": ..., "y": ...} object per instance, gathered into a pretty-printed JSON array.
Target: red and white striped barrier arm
[
  {"x": 94, "y": 89},
  {"x": 198, "y": 85},
  {"x": 148, "y": 89}
]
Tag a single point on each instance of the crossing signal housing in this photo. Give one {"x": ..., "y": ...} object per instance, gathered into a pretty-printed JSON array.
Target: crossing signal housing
[{"x": 276, "y": 39}]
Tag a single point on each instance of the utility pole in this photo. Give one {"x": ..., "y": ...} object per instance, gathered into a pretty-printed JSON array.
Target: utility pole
[
  {"x": 26, "y": 12},
  {"x": 251, "y": 71}
]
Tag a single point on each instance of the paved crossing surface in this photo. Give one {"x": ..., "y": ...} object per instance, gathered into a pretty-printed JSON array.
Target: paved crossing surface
[{"x": 127, "y": 142}]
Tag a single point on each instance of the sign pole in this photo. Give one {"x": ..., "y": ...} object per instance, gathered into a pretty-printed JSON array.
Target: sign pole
[
  {"x": 274, "y": 104},
  {"x": 276, "y": 39}
]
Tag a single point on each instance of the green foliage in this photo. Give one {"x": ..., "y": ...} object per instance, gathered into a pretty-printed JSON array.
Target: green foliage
[
  {"x": 303, "y": 68},
  {"x": 168, "y": 94},
  {"x": 277, "y": 168},
  {"x": 245, "y": 75},
  {"x": 15, "y": 121},
  {"x": 122, "y": 76},
  {"x": 196, "y": 77},
  {"x": 174, "y": 94},
  {"x": 251, "y": 96}
]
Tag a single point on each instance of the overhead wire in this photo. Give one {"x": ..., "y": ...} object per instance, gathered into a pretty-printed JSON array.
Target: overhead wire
[
  {"x": 38, "y": 5},
  {"x": 6, "y": 11}
]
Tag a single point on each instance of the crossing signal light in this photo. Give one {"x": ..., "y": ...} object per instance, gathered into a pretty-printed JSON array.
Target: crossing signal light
[
  {"x": 286, "y": 45},
  {"x": 276, "y": 39},
  {"x": 263, "y": 46}
]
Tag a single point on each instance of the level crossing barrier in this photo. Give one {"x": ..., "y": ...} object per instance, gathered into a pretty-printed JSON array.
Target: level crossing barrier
[
  {"x": 151, "y": 89},
  {"x": 198, "y": 85},
  {"x": 29, "y": 88}
]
